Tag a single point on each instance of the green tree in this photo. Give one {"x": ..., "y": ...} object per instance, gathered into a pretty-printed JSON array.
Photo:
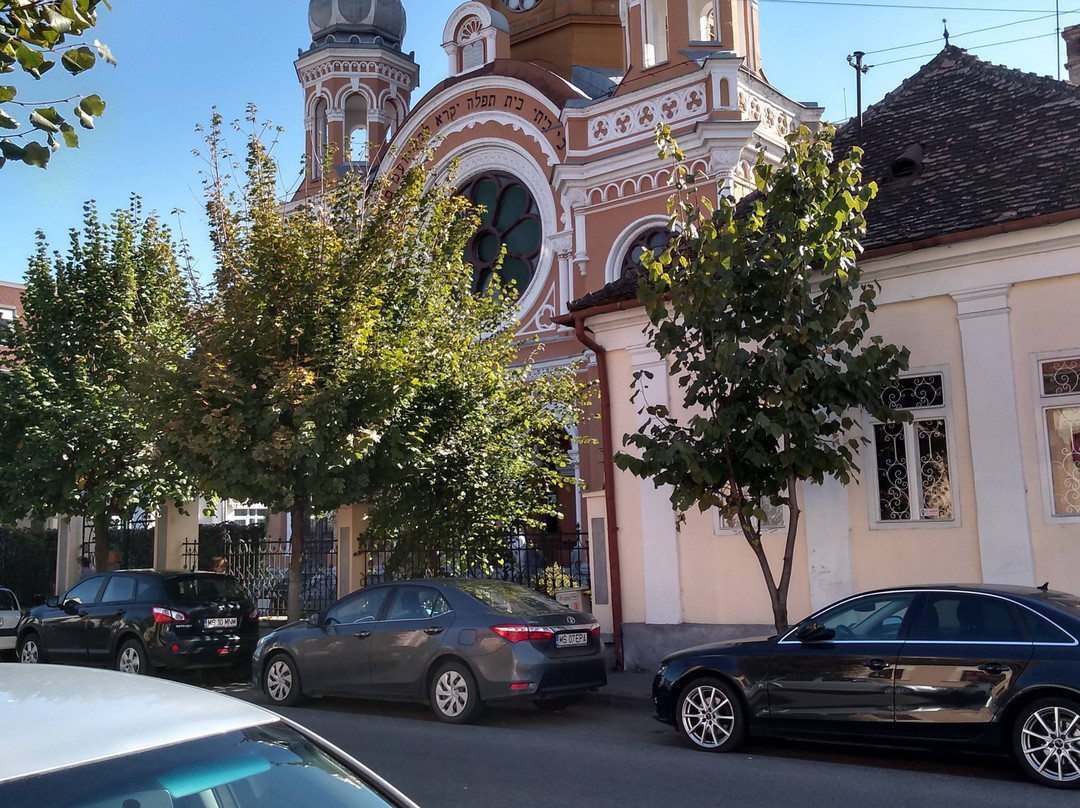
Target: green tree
[
  {"x": 334, "y": 356},
  {"x": 34, "y": 34},
  {"x": 72, "y": 412},
  {"x": 762, "y": 316}
]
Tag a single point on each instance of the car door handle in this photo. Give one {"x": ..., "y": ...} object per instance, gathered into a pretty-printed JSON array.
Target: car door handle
[
  {"x": 363, "y": 635},
  {"x": 433, "y": 630},
  {"x": 993, "y": 668},
  {"x": 876, "y": 664}
]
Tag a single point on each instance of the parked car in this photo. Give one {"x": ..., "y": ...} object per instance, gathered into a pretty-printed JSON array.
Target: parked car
[
  {"x": 137, "y": 620},
  {"x": 993, "y": 668},
  {"x": 98, "y": 739},
  {"x": 454, "y": 643},
  {"x": 9, "y": 619}
]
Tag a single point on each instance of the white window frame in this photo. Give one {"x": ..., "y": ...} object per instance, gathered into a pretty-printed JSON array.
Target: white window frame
[
  {"x": 943, "y": 412},
  {"x": 7, "y": 313},
  {"x": 720, "y": 529},
  {"x": 654, "y": 43},
  {"x": 1044, "y": 403},
  {"x": 695, "y": 7}
]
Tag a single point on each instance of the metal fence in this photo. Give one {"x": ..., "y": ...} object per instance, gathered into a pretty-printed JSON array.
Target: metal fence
[
  {"x": 546, "y": 562},
  {"x": 262, "y": 565},
  {"x": 28, "y": 563},
  {"x": 131, "y": 539}
]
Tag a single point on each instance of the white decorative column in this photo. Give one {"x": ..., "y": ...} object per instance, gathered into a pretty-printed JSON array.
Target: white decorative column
[
  {"x": 827, "y": 527},
  {"x": 1002, "y": 517},
  {"x": 171, "y": 530},
  {"x": 659, "y": 538}
]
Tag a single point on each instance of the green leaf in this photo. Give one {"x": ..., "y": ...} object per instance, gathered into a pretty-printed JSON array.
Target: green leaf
[
  {"x": 78, "y": 59},
  {"x": 29, "y": 59},
  {"x": 36, "y": 155},
  {"x": 7, "y": 122},
  {"x": 10, "y": 150},
  {"x": 71, "y": 139},
  {"x": 46, "y": 119},
  {"x": 86, "y": 121},
  {"x": 92, "y": 105},
  {"x": 7, "y": 92}
]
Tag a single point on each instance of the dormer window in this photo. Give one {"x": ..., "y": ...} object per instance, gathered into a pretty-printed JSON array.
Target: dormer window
[{"x": 471, "y": 43}]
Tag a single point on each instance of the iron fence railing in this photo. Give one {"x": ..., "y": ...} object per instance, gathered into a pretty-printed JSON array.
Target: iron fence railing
[
  {"x": 132, "y": 539},
  {"x": 28, "y": 563}
]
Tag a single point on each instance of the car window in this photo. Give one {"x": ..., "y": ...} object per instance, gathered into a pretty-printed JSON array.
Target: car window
[
  {"x": 966, "y": 617},
  {"x": 364, "y": 605},
  {"x": 417, "y": 603},
  {"x": 7, "y": 601},
  {"x": 874, "y": 617},
  {"x": 1042, "y": 630},
  {"x": 120, "y": 589},
  {"x": 86, "y": 591},
  {"x": 509, "y": 599},
  {"x": 206, "y": 588}
]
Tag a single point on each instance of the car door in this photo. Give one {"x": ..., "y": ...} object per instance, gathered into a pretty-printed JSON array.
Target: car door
[
  {"x": 844, "y": 681},
  {"x": 64, "y": 628},
  {"x": 104, "y": 618},
  {"x": 406, "y": 640},
  {"x": 333, "y": 656},
  {"x": 959, "y": 663}
]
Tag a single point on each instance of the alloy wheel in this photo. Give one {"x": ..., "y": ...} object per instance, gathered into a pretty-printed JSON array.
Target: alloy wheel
[
  {"x": 1050, "y": 743},
  {"x": 30, "y": 654},
  {"x": 708, "y": 716},
  {"x": 129, "y": 661}
]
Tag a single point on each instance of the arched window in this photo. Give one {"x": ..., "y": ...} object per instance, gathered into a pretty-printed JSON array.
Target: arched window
[
  {"x": 320, "y": 137},
  {"x": 471, "y": 44},
  {"x": 356, "y": 125},
  {"x": 655, "y": 32},
  {"x": 510, "y": 216},
  {"x": 654, "y": 240},
  {"x": 703, "y": 21}
]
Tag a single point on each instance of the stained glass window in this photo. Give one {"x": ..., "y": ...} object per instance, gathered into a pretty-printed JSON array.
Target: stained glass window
[{"x": 509, "y": 216}]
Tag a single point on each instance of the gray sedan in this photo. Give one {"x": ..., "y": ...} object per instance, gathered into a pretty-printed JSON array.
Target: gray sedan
[{"x": 452, "y": 643}]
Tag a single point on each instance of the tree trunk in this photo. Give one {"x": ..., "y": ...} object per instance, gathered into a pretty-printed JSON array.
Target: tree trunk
[
  {"x": 101, "y": 540},
  {"x": 298, "y": 515}
]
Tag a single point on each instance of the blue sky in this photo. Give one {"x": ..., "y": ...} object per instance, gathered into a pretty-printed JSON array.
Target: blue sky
[{"x": 179, "y": 59}]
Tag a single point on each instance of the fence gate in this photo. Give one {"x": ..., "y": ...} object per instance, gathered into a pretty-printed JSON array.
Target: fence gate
[
  {"x": 262, "y": 565},
  {"x": 28, "y": 563},
  {"x": 131, "y": 539}
]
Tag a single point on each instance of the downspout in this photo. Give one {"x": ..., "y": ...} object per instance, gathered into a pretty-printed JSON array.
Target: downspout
[{"x": 609, "y": 482}]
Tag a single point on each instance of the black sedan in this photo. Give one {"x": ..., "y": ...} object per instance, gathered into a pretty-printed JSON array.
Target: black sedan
[
  {"x": 994, "y": 668},
  {"x": 452, "y": 643}
]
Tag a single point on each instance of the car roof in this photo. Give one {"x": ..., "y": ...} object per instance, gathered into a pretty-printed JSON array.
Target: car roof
[{"x": 56, "y": 717}]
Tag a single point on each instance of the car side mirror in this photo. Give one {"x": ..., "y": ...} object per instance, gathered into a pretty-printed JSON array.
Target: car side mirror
[
  {"x": 53, "y": 601},
  {"x": 70, "y": 606},
  {"x": 814, "y": 632},
  {"x": 313, "y": 620}
]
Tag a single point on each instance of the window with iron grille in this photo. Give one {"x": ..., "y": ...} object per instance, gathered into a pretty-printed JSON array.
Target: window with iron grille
[
  {"x": 912, "y": 466},
  {"x": 1059, "y": 393}
]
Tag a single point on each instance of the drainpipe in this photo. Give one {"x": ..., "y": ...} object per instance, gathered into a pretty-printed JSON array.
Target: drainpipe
[{"x": 609, "y": 481}]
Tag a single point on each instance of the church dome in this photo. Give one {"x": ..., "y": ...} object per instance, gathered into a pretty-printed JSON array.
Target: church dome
[{"x": 346, "y": 21}]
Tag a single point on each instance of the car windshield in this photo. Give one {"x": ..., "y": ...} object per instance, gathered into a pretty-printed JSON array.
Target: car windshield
[
  {"x": 509, "y": 599},
  {"x": 204, "y": 588},
  {"x": 7, "y": 601},
  {"x": 272, "y": 766}
]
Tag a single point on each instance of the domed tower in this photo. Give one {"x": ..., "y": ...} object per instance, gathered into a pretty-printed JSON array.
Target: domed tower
[{"x": 357, "y": 82}]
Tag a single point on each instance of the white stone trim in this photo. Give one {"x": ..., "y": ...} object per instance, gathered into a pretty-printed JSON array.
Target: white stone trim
[
  {"x": 1041, "y": 404},
  {"x": 623, "y": 240}
]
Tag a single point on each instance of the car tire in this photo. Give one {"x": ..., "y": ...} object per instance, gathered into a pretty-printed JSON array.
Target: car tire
[
  {"x": 281, "y": 681},
  {"x": 131, "y": 658},
  {"x": 454, "y": 695},
  {"x": 31, "y": 651},
  {"x": 1046, "y": 742},
  {"x": 710, "y": 716}
]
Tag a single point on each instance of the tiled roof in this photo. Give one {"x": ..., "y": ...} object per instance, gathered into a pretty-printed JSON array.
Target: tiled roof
[{"x": 998, "y": 146}]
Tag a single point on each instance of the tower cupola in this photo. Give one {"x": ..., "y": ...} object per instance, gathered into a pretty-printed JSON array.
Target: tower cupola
[{"x": 356, "y": 21}]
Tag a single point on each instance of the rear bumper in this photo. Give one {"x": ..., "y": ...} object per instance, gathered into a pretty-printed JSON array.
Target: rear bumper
[
  {"x": 7, "y": 638},
  {"x": 180, "y": 653},
  {"x": 540, "y": 678}
]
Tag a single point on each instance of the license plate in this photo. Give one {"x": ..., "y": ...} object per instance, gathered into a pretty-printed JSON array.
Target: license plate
[
  {"x": 569, "y": 638},
  {"x": 220, "y": 622}
]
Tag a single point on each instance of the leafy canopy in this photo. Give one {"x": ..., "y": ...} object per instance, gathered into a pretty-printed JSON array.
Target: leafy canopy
[
  {"x": 72, "y": 412},
  {"x": 34, "y": 34},
  {"x": 761, "y": 313}
]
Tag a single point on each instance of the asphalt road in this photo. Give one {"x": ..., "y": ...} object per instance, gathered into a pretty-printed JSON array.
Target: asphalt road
[{"x": 596, "y": 755}]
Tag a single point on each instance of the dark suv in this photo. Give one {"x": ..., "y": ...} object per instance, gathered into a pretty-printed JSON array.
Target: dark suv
[{"x": 136, "y": 620}]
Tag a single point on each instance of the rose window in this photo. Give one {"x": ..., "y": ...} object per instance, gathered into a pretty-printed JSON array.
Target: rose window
[{"x": 509, "y": 216}]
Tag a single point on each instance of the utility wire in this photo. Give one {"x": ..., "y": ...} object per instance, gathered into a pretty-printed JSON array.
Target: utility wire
[
  {"x": 905, "y": 6},
  {"x": 970, "y": 33},
  {"x": 974, "y": 47}
]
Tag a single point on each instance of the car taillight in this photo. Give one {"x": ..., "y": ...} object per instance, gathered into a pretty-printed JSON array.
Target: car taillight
[
  {"x": 517, "y": 633},
  {"x": 163, "y": 615}
]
